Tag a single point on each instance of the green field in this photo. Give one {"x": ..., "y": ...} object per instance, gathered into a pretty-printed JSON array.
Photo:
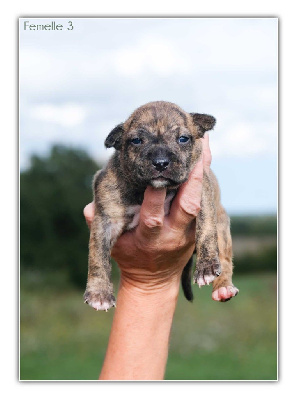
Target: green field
[{"x": 64, "y": 339}]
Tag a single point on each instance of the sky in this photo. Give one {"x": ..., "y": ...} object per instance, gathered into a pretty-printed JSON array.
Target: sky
[{"x": 76, "y": 84}]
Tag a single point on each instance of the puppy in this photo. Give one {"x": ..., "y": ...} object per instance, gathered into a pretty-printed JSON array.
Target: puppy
[{"x": 158, "y": 145}]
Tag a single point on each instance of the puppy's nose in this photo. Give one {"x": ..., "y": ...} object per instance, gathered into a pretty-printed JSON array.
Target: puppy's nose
[{"x": 161, "y": 164}]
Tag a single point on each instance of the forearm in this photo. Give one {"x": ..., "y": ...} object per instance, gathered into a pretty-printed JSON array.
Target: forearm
[{"x": 139, "y": 339}]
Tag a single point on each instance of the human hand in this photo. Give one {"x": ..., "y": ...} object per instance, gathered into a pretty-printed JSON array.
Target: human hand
[{"x": 153, "y": 255}]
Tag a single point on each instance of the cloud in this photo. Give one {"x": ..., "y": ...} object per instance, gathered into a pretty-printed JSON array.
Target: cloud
[
  {"x": 240, "y": 136},
  {"x": 243, "y": 140},
  {"x": 66, "y": 115},
  {"x": 150, "y": 55}
]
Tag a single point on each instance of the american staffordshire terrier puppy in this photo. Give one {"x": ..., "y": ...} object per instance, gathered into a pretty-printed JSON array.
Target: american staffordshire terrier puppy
[{"x": 158, "y": 145}]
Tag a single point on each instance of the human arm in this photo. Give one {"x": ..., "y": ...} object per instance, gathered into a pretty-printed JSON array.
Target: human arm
[{"x": 151, "y": 259}]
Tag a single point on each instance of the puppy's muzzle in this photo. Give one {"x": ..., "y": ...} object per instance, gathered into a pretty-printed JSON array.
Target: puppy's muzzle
[
  {"x": 160, "y": 158},
  {"x": 161, "y": 163}
]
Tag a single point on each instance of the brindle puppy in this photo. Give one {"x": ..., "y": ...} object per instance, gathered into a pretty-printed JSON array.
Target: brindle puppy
[{"x": 158, "y": 145}]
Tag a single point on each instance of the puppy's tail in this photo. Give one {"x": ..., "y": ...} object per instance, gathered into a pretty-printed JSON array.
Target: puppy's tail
[{"x": 186, "y": 280}]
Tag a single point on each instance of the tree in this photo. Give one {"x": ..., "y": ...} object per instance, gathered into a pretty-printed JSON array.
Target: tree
[{"x": 53, "y": 193}]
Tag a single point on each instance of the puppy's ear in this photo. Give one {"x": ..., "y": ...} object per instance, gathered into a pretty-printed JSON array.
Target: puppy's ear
[
  {"x": 203, "y": 122},
  {"x": 114, "y": 137}
]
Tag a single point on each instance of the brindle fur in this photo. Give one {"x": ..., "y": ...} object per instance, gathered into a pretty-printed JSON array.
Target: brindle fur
[{"x": 119, "y": 190}]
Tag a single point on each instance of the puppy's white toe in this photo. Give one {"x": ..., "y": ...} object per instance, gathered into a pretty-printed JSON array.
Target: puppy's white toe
[
  {"x": 99, "y": 306},
  {"x": 201, "y": 282},
  {"x": 208, "y": 279},
  {"x": 98, "y": 301}
]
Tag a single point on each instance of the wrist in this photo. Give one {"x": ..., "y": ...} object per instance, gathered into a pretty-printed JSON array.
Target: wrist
[{"x": 159, "y": 291}]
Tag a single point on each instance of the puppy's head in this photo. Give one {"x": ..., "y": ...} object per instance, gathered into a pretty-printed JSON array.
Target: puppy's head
[{"x": 159, "y": 143}]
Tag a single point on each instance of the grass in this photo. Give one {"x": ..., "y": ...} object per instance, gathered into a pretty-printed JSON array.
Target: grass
[{"x": 64, "y": 339}]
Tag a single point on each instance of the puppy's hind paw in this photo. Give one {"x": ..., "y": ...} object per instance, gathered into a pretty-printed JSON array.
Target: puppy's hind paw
[
  {"x": 100, "y": 300},
  {"x": 225, "y": 293}
]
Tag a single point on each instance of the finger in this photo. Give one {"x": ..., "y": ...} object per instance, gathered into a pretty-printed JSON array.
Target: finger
[
  {"x": 152, "y": 212},
  {"x": 207, "y": 157},
  {"x": 89, "y": 212},
  {"x": 186, "y": 205}
]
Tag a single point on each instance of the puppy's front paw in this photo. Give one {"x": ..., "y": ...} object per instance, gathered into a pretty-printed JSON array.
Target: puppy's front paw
[
  {"x": 206, "y": 272},
  {"x": 100, "y": 300},
  {"x": 225, "y": 293}
]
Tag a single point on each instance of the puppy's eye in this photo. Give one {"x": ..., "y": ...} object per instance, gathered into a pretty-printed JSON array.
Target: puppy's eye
[
  {"x": 136, "y": 141},
  {"x": 183, "y": 139}
]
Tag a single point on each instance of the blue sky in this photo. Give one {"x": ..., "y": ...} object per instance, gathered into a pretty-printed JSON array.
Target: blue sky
[{"x": 76, "y": 85}]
